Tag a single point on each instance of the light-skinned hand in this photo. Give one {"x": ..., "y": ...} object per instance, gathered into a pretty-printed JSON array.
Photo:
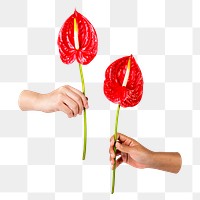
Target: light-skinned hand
[{"x": 66, "y": 99}]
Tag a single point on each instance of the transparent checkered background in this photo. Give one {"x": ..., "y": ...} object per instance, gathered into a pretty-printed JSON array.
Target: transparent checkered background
[{"x": 40, "y": 154}]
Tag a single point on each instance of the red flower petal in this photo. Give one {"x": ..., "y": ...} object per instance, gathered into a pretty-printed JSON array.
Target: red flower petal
[
  {"x": 129, "y": 95},
  {"x": 88, "y": 42}
]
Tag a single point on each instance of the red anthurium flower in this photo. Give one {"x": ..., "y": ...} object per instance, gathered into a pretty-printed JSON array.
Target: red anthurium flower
[
  {"x": 123, "y": 82},
  {"x": 77, "y": 40},
  {"x": 123, "y": 85}
]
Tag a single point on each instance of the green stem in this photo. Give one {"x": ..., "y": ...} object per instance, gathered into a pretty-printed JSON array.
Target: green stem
[
  {"x": 85, "y": 116},
  {"x": 115, "y": 139},
  {"x": 82, "y": 78}
]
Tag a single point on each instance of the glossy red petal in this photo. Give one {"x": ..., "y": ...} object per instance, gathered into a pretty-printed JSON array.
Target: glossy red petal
[
  {"x": 88, "y": 42},
  {"x": 129, "y": 95}
]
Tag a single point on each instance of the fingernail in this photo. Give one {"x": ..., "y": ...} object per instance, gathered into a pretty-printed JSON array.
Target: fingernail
[
  {"x": 113, "y": 155},
  {"x": 117, "y": 144}
]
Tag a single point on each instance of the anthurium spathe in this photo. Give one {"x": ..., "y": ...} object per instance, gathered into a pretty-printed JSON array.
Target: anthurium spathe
[
  {"x": 123, "y": 82},
  {"x": 77, "y": 40}
]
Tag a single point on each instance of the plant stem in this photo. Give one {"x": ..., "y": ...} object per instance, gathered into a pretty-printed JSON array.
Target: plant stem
[
  {"x": 115, "y": 139},
  {"x": 85, "y": 116}
]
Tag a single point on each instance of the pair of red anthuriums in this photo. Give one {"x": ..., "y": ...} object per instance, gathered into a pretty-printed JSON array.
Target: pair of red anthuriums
[{"x": 123, "y": 83}]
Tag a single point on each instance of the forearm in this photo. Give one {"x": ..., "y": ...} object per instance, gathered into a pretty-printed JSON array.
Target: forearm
[
  {"x": 166, "y": 161},
  {"x": 29, "y": 100}
]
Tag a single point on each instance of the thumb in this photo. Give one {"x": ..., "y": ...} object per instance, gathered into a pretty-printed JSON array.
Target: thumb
[{"x": 123, "y": 148}]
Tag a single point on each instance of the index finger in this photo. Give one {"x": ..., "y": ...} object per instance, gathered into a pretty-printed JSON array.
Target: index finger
[{"x": 122, "y": 139}]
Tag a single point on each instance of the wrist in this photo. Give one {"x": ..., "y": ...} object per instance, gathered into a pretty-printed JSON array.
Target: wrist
[
  {"x": 39, "y": 102},
  {"x": 29, "y": 100},
  {"x": 166, "y": 161},
  {"x": 151, "y": 161}
]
